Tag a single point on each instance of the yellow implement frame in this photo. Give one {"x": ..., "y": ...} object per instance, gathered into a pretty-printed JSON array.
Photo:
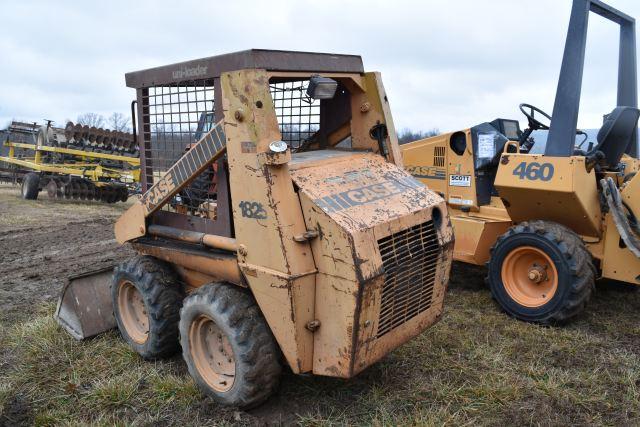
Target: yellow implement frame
[{"x": 92, "y": 171}]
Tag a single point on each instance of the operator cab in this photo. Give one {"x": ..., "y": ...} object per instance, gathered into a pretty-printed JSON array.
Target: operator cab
[
  {"x": 614, "y": 138},
  {"x": 489, "y": 141}
]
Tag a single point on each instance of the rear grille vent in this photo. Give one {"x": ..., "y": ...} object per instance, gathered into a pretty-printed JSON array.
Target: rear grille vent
[
  {"x": 438, "y": 156},
  {"x": 409, "y": 258}
]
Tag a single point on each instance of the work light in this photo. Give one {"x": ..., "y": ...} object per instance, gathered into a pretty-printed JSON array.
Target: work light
[{"x": 321, "y": 87}]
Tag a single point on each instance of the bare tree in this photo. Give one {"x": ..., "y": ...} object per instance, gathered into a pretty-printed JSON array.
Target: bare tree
[
  {"x": 91, "y": 119},
  {"x": 119, "y": 122},
  {"x": 407, "y": 135}
]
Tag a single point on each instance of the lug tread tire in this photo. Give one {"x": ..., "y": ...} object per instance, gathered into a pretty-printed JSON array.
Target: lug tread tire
[
  {"x": 257, "y": 355},
  {"x": 162, "y": 293},
  {"x": 30, "y": 186},
  {"x": 579, "y": 264}
]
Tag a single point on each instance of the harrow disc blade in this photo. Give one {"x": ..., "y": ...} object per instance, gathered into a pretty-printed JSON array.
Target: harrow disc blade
[
  {"x": 91, "y": 191},
  {"x": 69, "y": 131},
  {"x": 75, "y": 189},
  {"x": 52, "y": 189},
  {"x": 83, "y": 190},
  {"x": 67, "y": 191},
  {"x": 125, "y": 194}
]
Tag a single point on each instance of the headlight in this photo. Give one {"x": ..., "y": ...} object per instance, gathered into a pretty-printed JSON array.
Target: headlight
[{"x": 321, "y": 87}]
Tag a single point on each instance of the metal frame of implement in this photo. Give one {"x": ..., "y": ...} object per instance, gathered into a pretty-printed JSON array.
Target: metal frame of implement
[{"x": 92, "y": 171}]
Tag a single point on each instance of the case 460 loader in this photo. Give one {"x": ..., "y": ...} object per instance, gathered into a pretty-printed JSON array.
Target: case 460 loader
[
  {"x": 314, "y": 246},
  {"x": 547, "y": 219}
]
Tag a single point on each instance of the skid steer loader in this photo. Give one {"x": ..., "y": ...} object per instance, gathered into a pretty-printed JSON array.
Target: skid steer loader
[
  {"x": 547, "y": 219},
  {"x": 316, "y": 246}
]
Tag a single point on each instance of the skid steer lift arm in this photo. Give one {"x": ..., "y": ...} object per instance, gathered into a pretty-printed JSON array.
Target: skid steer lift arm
[
  {"x": 562, "y": 132},
  {"x": 132, "y": 224}
]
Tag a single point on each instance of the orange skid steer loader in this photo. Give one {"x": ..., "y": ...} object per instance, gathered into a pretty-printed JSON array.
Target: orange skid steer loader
[{"x": 317, "y": 248}]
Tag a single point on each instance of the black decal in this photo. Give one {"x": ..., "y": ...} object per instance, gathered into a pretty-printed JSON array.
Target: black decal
[{"x": 253, "y": 210}]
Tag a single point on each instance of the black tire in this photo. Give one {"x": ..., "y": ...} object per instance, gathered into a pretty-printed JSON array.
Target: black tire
[
  {"x": 162, "y": 295},
  {"x": 255, "y": 352},
  {"x": 30, "y": 186},
  {"x": 576, "y": 272}
]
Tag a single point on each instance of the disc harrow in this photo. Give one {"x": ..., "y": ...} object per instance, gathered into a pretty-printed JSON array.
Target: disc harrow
[
  {"x": 83, "y": 189},
  {"x": 89, "y": 138}
]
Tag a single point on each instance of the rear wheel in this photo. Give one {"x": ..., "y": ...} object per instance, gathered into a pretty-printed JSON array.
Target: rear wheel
[
  {"x": 541, "y": 272},
  {"x": 228, "y": 347},
  {"x": 146, "y": 297},
  {"x": 30, "y": 186}
]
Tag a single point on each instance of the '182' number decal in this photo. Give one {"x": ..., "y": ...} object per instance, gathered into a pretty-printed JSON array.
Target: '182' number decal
[
  {"x": 253, "y": 210},
  {"x": 534, "y": 171}
]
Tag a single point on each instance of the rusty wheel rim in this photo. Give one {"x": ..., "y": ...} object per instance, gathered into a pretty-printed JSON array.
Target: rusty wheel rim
[
  {"x": 212, "y": 354},
  {"x": 133, "y": 312},
  {"x": 529, "y": 276}
]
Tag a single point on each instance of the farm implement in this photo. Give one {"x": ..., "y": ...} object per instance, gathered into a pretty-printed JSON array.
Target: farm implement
[{"x": 78, "y": 162}]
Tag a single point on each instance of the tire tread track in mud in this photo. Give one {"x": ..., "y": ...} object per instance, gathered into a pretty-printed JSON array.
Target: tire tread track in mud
[{"x": 37, "y": 261}]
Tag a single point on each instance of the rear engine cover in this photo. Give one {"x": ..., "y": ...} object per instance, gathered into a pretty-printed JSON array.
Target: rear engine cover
[{"x": 383, "y": 256}]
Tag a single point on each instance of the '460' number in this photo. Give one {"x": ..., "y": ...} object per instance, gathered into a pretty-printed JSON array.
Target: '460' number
[{"x": 534, "y": 171}]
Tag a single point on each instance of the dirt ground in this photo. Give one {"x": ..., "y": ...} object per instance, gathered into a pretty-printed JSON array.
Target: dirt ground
[
  {"x": 45, "y": 242},
  {"x": 477, "y": 366}
]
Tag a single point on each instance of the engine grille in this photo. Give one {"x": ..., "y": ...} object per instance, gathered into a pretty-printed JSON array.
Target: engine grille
[
  {"x": 409, "y": 258},
  {"x": 439, "y": 156}
]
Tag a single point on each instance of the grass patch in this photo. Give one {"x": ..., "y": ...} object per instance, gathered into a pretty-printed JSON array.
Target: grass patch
[
  {"x": 477, "y": 366},
  {"x": 97, "y": 381}
]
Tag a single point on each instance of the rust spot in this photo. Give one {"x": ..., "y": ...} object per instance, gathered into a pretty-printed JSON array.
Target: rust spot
[{"x": 333, "y": 370}]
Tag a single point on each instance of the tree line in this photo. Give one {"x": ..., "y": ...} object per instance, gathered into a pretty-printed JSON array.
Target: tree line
[{"x": 116, "y": 121}]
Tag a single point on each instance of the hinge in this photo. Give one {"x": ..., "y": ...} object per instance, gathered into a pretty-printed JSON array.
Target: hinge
[{"x": 306, "y": 236}]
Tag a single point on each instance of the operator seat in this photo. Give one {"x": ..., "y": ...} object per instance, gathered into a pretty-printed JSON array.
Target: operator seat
[{"x": 616, "y": 134}]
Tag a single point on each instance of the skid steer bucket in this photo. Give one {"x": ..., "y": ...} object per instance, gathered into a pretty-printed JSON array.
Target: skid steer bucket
[{"x": 85, "y": 308}]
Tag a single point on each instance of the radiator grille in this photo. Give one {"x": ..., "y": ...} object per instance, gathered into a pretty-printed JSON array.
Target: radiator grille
[
  {"x": 409, "y": 258},
  {"x": 438, "y": 156}
]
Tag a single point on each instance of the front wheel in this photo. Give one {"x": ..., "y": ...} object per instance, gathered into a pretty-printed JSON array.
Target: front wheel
[
  {"x": 228, "y": 347},
  {"x": 541, "y": 272},
  {"x": 146, "y": 297}
]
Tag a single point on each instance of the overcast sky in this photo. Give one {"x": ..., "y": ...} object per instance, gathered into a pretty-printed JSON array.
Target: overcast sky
[{"x": 445, "y": 64}]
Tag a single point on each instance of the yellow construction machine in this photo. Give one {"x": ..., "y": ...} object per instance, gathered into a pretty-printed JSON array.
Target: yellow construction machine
[
  {"x": 548, "y": 219},
  {"x": 307, "y": 242}
]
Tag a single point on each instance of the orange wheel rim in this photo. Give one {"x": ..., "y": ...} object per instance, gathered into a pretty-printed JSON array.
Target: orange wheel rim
[
  {"x": 133, "y": 312},
  {"x": 529, "y": 276},
  {"x": 212, "y": 354}
]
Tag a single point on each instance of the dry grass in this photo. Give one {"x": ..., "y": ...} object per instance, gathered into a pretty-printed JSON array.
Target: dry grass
[
  {"x": 476, "y": 367},
  {"x": 46, "y": 211}
]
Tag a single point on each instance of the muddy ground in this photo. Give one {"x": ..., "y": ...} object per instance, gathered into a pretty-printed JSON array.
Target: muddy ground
[
  {"x": 43, "y": 243},
  {"x": 477, "y": 366}
]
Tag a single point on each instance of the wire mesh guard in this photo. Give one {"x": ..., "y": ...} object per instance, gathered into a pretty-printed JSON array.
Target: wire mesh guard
[
  {"x": 298, "y": 114},
  {"x": 176, "y": 116}
]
